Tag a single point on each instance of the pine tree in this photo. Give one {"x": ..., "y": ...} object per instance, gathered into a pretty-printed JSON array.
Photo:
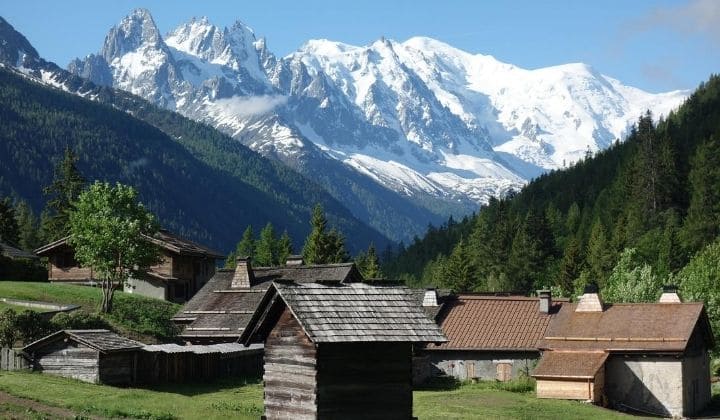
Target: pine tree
[
  {"x": 246, "y": 246},
  {"x": 9, "y": 231},
  {"x": 265, "y": 251},
  {"x": 284, "y": 248},
  {"x": 599, "y": 255},
  {"x": 570, "y": 266},
  {"x": 702, "y": 224},
  {"x": 368, "y": 263},
  {"x": 64, "y": 190},
  {"x": 28, "y": 227},
  {"x": 460, "y": 273},
  {"x": 314, "y": 251},
  {"x": 335, "y": 247}
]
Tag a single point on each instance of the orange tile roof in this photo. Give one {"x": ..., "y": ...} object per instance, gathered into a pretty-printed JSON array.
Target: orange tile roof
[
  {"x": 572, "y": 364},
  {"x": 510, "y": 323}
]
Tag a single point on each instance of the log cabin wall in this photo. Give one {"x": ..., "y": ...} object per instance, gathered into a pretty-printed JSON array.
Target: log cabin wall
[
  {"x": 290, "y": 371},
  {"x": 118, "y": 368},
  {"x": 364, "y": 380},
  {"x": 71, "y": 360}
]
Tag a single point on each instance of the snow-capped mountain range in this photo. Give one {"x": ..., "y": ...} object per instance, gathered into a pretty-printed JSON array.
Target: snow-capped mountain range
[{"x": 444, "y": 128}]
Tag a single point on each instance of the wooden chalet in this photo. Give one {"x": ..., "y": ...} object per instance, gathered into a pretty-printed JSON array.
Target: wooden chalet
[
  {"x": 337, "y": 350},
  {"x": 97, "y": 356},
  {"x": 491, "y": 337},
  {"x": 220, "y": 310},
  {"x": 184, "y": 269},
  {"x": 646, "y": 357}
]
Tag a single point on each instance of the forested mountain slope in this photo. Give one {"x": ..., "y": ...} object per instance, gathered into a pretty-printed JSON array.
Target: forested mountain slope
[
  {"x": 650, "y": 203},
  {"x": 199, "y": 182}
]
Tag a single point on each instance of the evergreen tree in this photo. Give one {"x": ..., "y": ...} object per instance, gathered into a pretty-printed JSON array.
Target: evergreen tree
[
  {"x": 599, "y": 254},
  {"x": 64, "y": 190},
  {"x": 9, "y": 231},
  {"x": 284, "y": 248},
  {"x": 265, "y": 251},
  {"x": 570, "y": 266},
  {"x": 28, "y": 227},
  {"x": 314, "y": 250},
  {"x": 368, "y": 263},
  {"x": 460, "y": 274},
  {"x": 246, "y": 246},
  {"x": 335, "y": 247},
  {"x": 702, "y": 224}
]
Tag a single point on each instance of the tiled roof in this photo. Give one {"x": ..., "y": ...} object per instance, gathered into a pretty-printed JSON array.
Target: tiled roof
[
  {"x": 563, "y": 364},
  {"x": 102, "y": 340},
  {"x": 479, "y": 322},
  {"x": 355, "y": 312},
  {"x": 12, "y": 252},
  {"x": 218, "y": 310},
  {"x": 627, "y": 327}
]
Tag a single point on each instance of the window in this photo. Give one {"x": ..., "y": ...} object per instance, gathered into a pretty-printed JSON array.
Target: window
[
  {"x": 504, "y": 372},
  {"x": 65, "y": 260}
]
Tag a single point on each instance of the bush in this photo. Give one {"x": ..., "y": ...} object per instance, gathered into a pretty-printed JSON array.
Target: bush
[
  {"x": 145, "y": 316},
  {"x": 8, "y": 328},
  {"x": 79, "y": 320},
  {"x": 32, "y": 326}
]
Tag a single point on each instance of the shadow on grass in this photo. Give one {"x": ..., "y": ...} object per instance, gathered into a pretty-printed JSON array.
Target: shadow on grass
[
  {"x": 439, "y": 383},
  {"x": 190, "y": 389},
  {"x": 449, "y": 383}
]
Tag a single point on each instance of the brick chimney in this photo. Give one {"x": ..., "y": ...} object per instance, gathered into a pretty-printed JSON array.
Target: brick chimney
[
  {"x": 590, "y": 300},
  {"x": 243, "y": 276},
  {"x": 430, "y": 298},
  {"x": 545, "y": 301},
  {"x": 294, "y": 260},
  {"x": 670, "y": 294}
]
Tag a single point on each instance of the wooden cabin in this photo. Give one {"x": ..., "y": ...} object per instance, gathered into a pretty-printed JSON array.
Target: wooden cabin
[
  {"x": 185, "y": 267},
  {"x": 491, "y": 336},
  {"x": 13, "y": 253},
  {"x": 219, "y": 312},
  {"x": 97, "y": 356},
  {"x": 339, "y": 350},
  {"x": 646, "y": 357}
]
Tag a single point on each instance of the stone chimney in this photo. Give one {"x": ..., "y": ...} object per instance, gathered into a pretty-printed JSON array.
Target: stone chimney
[
  {"x": 670, "y": 294},
  {"x": 243, "y": 277},
  {"x": 430, "y": 298},
  {"x": 590, "y": 300},
  {"x": 294, "y": 260},
  {"x": 545, "y": 301}
]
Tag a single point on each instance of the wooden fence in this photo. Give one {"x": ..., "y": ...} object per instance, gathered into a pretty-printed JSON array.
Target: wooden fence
[{"x": 11, "y": 359}]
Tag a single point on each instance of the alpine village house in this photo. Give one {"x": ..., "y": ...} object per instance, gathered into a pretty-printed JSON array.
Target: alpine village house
[
  {"x": 645, "y": 357},
  {"x": 184, "y": 268}
]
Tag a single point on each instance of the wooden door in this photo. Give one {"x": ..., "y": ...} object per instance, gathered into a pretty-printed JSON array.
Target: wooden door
[
  {"x": 470, "y": 370},
  {"x": 504, "y": 372}
]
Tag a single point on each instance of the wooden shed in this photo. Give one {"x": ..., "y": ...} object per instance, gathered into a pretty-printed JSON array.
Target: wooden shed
[
  {"x": 97, "y": 356},
  {"x": 339, "y": 350}
]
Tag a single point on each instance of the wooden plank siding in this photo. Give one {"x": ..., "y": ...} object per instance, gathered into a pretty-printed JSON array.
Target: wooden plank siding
[
  {"x": 69, "y": 360},
  {"x": 69, "y": 274},
  {"x": 365, "y": 380},
  {"x": 290, "y": 371}
]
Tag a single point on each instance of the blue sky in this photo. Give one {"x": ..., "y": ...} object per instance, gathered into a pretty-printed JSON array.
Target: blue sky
[{"x": 656, "y": 45}]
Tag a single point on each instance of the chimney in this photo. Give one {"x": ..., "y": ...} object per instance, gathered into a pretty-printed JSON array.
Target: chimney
[
  {"x": 294, "y": 260},
  {"x": 670, "y": 294},
  {"x": 430, "y": 298},
  {"x": 545, "y": 301},
  {"x": 243, "y": 276},
  {"x": 590, "y": 300}
]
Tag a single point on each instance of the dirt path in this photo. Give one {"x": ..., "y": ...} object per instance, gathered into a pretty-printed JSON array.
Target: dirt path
[{"x": 41, "y": 408}]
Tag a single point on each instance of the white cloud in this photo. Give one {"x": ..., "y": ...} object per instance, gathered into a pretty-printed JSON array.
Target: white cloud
[
  {"x": 696, "y": 17},
  {"x": 247, "y": 106}
]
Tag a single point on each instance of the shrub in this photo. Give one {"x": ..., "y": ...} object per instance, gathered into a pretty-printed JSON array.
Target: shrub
[
  {"x": 8, "y": 328},
  {"x": 146, "y": 316},
  {"x": 79, "y": 320},
  {"x": 32, "y": 326}
]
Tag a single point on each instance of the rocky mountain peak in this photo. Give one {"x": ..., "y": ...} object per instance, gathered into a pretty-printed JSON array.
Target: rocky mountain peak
[
  {"x": 136, "y": 30},
  {"x": 15, "y": 49}
]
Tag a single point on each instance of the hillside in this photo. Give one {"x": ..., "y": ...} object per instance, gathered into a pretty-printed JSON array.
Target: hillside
[
  {"x": 199, "y": 182},
  {"x": 649, "y": 203}
]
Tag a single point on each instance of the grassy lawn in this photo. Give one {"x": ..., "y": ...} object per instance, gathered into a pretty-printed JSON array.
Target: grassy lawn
[
  {"x": 244, "y": 401},
  {"x": 134, "y": 315}
]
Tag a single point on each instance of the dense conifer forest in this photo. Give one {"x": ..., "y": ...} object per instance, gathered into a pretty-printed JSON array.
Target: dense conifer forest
[
  {"x": 642, "y": 213},
  {"x": 199, "y": 182}
]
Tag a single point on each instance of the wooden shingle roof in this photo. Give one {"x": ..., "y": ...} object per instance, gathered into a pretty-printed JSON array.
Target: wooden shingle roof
[
  {"x": 493, "y": 323},
  {"x": 104, "y": 341},
  {"x": 15, "y": 253},
  {"x": 662, "y": 327},
  {"x": 221, "y": 311},
  {"x": 346, "y": 313}
]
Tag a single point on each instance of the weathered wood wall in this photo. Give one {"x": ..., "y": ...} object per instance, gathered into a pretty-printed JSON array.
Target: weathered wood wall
[
  {"x": 11, "y": 359},
  {"x": 69, "y": 274},
  {"x": 290, "y": 371},
  {"x": 158, "y": 367},
  {"x": 365, "y": 380},
  {"x": 118, "y": 368},
  {"x": 70, "y": 360}
]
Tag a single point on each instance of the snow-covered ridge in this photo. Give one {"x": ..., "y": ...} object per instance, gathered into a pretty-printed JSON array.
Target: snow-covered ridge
[{"x": 420, "y": 117}]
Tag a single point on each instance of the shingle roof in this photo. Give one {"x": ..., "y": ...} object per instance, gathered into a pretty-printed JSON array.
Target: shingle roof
[
  {"x": 576, "y": 365},
  {"x": 102, "y": 340},
  {"x": 478, "y": 322},
  {"x": 220, "y": 348},
  {"x": 355, "y": 312},
  {"x": 218, "y": 310},
  {"x": 12, "y": 252},
  {"x": 163, "y": 239},
  {"x": 627, "y": 327}
]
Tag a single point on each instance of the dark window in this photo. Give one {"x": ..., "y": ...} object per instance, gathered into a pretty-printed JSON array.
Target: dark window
[{"x": 66, "y": 260}]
